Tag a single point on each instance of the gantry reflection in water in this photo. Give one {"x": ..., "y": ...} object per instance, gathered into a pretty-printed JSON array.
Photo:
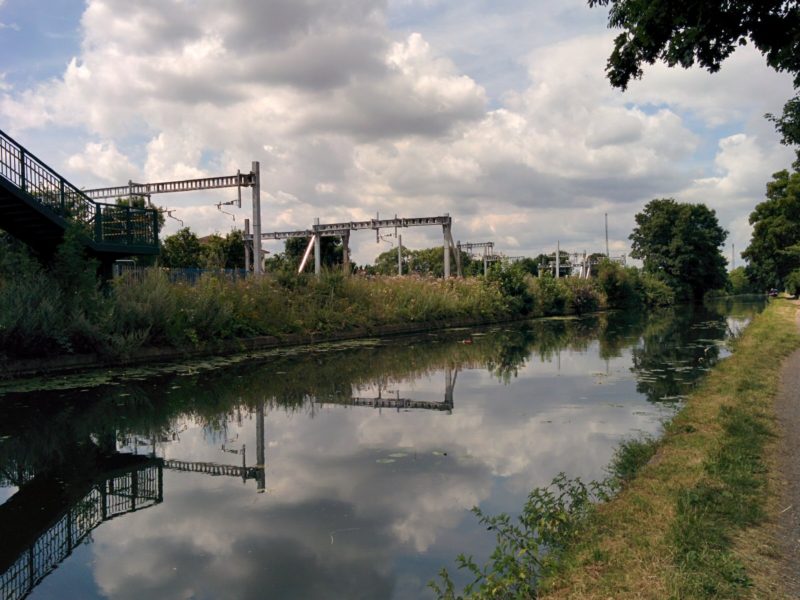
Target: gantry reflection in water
[{"x": 370, "y": 455}]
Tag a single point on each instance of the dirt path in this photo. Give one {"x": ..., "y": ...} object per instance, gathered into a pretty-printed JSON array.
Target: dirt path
[{"x": 787, "y": 407}]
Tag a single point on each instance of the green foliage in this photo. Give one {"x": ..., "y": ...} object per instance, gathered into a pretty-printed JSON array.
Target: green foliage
[
  {"x": 792, "y": 283},
  {"x": 50, "y": 311},
  {"x": 681, "y": 243},
  {"x": 710, "y": 511},
  {"x": 218, "y": 252},
  {"x": 617, "y": 283},
  {"x": 582, "y": 296},
  {"x": 428, "y": 262},
  {"x": 181, "y": 250},
  {"x": 331, "y": 252},
  {"x": 705, "y": 33},
  {"x": 739, "y": 282},
  {"x": 630, "y": 457},
  {"x": 386, "y": 262},
  {"x": 551, "y": 295},
  {"x": 82, "y": 304},
  {"x": 788, "y": 125},
  {"x": 529, "y": 547},
  {"x": 773, "y": 250},
  {"x": 511, "y": 280},
  {"x": 145, "y": 308},
  {"x": 234, "y": 249},
  {"x": 654, "y": 291}
]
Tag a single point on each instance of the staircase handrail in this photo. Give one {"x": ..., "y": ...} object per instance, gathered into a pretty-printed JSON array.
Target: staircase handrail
[{"x": 102, "y": 223}]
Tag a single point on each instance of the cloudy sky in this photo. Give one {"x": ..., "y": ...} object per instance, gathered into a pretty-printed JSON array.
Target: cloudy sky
[{"x": 496, "y": 112}]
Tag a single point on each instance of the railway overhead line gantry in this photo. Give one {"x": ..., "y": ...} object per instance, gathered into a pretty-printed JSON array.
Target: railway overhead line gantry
[
  {"x": 343, "y": 230},
  {"x": 239, "y": 180},
  {"x": 471, "y": 247}
]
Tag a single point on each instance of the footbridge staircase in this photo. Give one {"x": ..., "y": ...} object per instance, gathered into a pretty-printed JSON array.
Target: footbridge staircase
[{"x": 37, "y": 205}]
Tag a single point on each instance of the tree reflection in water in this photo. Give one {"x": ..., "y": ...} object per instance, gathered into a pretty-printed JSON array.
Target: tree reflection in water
[{"x": 61, "y": 435}]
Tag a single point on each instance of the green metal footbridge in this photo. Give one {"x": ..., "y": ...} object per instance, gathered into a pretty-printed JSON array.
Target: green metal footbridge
[{"x": 37, "y": 205}]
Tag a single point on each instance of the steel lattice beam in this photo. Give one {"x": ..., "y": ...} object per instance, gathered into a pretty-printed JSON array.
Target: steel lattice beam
[
  {"x": 329, "y": 229},
  {"x": 166, "y": 187}
]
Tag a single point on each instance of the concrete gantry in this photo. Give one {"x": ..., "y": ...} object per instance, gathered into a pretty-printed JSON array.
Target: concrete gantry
[
  {"x": 470, "y": 247},
  {"x": 343, "y": 229}
]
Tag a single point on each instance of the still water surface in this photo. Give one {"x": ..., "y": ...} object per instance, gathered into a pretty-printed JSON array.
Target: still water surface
[{"x": 345, "y": 471}]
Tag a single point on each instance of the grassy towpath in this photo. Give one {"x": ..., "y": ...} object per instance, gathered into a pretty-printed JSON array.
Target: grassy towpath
[{"x": 702, "y": 518}]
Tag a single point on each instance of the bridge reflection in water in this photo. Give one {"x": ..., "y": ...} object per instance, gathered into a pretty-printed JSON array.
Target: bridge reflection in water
[
  {"x": 44, "y": 522},
  {"x": 47, "y": 519}
]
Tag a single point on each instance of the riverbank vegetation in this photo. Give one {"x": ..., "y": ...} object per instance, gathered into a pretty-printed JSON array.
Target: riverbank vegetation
[
  {"x": 62, "y": 309},
  {"x": 684, "y": 507}
]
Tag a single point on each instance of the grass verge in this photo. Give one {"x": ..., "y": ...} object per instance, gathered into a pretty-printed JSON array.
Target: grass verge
[{"x": 672, "y": 531}]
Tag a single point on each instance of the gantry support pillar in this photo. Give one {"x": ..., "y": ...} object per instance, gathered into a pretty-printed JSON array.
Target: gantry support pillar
[
  {"x": 257, "y": 268},
  {"x": 317, "y": 249},
  {"x": 346, "y": 253},
  {"x": 247, "y": 246},
  {"x": 446, "y": 247}
]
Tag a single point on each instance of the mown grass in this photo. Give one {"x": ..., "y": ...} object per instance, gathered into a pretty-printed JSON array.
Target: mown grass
[{"x": 676, "y": 529}]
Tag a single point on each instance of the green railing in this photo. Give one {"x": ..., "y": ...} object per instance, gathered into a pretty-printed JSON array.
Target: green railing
[{"x": 104, "y": 224}]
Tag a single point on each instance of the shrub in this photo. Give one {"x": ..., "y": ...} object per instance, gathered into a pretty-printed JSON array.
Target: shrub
[
  {"x": 655, "y": 291},
  {"x": 551, "y": 294},
  {"x": 617, "y": 284},
  {"x": 793, "y": 283},
  {"x": 582, "y": 296},
  {"x": 512, "y": 283}
]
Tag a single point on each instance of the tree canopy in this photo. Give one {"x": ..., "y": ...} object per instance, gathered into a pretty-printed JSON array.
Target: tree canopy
[
  {"x": 425, "y": 261},
  {"x": 680, "y": 243},
  {"x": 706, "y": 33},
  {"x": 331, "y": 251},
  {"x": 774, "y": 249},
  {"x": 185, "y": 250},
  {"x": 181, "y": 249}
]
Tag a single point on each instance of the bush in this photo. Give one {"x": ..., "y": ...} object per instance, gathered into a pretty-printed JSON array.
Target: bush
[
  {"x": 582, "y": 296},
  {"x": 50, "y": 311},
  {"x": 617, "y": 284},
  {"x": 739, "y": 282},
  {"x": 792, "y": 283},
  {"x": 551, "y": 294},
  {"x": 655, "y": 291},
  {"x": 511, "y": 279}
]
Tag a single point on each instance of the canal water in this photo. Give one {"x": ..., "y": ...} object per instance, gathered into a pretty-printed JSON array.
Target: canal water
[{"x": 341, "y": 471}]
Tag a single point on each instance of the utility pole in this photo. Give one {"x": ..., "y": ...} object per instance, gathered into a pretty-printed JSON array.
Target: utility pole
[
  {"x": 607, "y": 254},
  {"x": 733, "y": 256}
]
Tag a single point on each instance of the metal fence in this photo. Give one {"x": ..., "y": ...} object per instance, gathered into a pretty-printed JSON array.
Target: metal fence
[
  {"x": 103, "y": 223},
  {"x": 126, "y": 271}
]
